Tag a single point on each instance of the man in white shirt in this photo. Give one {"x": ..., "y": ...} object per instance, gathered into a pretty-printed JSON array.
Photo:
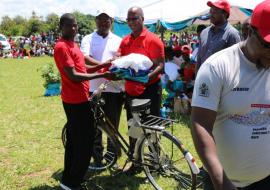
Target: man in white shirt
[
  {"x": 100, "y": 47},
  {"x": 231, "y": 110}
]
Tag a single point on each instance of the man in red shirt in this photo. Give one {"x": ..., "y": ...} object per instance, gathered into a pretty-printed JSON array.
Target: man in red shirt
[
  {"x": 75, "y": 87},
  {"x": 143, "y": 42}
]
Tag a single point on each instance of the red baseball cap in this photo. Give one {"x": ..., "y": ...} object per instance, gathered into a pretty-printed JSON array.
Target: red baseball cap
[
  {"x": 261, "y": 19},
  {"x": 186, "y": 49},
  {"x": 221, "y": 4}
]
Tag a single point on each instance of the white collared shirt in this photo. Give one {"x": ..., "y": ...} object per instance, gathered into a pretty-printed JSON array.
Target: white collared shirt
[{"x": 101, "y": 49}]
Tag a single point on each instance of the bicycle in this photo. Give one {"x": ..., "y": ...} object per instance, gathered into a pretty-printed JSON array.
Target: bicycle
[{"x": 162, "y": 156}]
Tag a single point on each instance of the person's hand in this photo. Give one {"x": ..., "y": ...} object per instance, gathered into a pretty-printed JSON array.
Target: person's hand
[
  {"x": 111, "y": 76},
  {"x": 107, "y": 63},
  {"x": 117, "y": 55}
]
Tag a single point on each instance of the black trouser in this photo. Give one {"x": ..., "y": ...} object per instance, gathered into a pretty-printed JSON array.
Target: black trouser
[
  {"x": 79, "y": 146},
  {"x": 112, "y": 108},
  {"x": 263, "y": 184},
  {"x": 152, "y": 92}
]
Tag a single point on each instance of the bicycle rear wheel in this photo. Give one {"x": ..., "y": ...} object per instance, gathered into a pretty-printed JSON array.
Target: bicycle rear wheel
[
  {"x": 105, "y": 154},
  {"x": 164, "y": 163}
]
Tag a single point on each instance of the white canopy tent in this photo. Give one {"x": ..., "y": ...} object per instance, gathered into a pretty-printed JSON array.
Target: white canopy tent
[{"x": 174, "y": 10}]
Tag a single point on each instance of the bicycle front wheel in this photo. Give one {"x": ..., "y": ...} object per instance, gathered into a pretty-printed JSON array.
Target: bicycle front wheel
[
  {"x": 105, "y": 150},
  {"x": 164, "y": 163}
]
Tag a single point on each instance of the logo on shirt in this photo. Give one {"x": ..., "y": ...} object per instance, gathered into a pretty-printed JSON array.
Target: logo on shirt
[
  {"x": 204, "y": 90},
  {"x": 240, "y": 89}
]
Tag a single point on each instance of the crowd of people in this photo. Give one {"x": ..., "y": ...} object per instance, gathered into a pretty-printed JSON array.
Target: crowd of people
[{"x": 33, "y": 46}]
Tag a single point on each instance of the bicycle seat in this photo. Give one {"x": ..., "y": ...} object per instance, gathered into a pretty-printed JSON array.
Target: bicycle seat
[{"x": 138, "y": 105}]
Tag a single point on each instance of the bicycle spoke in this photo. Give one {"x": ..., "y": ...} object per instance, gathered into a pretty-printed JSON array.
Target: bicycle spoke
[{"x": 169, "y": 170}]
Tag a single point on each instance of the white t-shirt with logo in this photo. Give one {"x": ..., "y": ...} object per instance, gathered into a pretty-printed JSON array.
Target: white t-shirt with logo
[
  {"x": 240, "y": 93},
  {"x": 101, "y": 49}
]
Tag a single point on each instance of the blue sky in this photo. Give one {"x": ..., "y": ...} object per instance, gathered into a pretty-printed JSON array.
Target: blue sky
[{"x": 44, "y": 7}]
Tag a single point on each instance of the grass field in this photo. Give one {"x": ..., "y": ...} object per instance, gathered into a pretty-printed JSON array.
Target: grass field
[{"x": 31, "y": 152}]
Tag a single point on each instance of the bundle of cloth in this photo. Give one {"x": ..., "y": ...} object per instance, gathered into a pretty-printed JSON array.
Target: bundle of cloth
[{"x": 134, "y": 67}]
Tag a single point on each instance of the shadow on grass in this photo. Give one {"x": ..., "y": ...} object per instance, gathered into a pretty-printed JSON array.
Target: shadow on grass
[
  {"x": 101, "y": 182},
  {"x": 114, "y": 181},
  {"x": 57, "y": 176},
  {"x": 45, "y": 187}
]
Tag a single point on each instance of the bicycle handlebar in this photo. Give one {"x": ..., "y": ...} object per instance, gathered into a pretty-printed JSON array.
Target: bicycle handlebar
[{"x": 100, "y": 89}]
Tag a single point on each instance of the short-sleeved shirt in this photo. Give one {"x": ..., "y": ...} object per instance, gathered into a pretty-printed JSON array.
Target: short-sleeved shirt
[
  {"x": 146, "y": 43},
  {"x": 213, "y": 41},
  {"x": 231, "y": 85},
  {"x": 68, "y": 54},
  {"x": 101, "y": 49}
]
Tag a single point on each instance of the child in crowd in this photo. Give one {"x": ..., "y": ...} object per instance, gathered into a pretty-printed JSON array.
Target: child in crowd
[{"x": 171, "y": 80}]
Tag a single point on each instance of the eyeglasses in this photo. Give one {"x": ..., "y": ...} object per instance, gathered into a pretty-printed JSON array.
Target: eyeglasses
[
  {"x": 262, "y": 42},
  {"x": 132, "y": 19}
]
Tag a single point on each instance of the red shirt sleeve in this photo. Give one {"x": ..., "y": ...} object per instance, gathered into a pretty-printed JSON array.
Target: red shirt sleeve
[
  {"x": 156, "y": 49},
  {"x": 121, "y": 47},
  {"x": 63, "y": 56}
]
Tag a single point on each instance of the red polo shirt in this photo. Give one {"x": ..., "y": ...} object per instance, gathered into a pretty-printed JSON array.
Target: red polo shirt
[
  {"x": 68, "y": 54},
  {"x": 147, "y": 44}
]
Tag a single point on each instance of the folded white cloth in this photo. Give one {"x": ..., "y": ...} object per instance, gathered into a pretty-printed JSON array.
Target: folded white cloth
[{"x": 134, "y": 61}]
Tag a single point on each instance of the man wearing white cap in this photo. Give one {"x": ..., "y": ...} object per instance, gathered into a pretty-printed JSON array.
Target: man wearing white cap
[
  {"x": 220, "y": 34},
  {"x": 100, "y": 47},
  {"x": 232, "y": 91}
]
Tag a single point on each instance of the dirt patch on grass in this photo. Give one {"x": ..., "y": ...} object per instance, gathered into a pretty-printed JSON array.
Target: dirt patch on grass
[
  {"x": 38, "y": 173},
  {"x": 3, "y": 150}
]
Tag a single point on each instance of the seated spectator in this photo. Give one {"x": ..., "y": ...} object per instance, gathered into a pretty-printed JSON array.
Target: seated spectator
[{"x": 171, "y": 79}]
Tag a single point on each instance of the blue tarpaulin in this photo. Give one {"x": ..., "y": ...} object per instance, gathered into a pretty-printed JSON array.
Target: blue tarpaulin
[
  {"x": 176, "y": 26},
  {"x": 121, "y": 28},
  {"x": 52, "y": 89}
]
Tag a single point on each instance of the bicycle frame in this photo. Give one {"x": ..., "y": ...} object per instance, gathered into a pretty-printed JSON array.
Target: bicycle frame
[
  {"x": 103, "y": 122},
  {"x": 149, "y": 151}
]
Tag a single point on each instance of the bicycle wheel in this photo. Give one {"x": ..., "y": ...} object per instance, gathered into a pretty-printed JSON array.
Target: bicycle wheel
[
  {"x": 104, "y": 156},
  {"x": 105, "y": 152},
  {"x": 164, "y": 163}
]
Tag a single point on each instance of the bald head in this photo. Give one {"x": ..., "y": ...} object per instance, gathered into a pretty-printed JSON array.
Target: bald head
[{"x": 136, "y": 10}]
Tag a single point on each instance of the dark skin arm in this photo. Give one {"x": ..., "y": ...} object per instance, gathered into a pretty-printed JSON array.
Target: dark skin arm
[
  {"x": 159, "y": 68},
  {"x": 205, "y": 145},
  {"x": 93, "y": 65},
  {"x": 91, "y": 61},
  {"x": 75, "y": 76}
]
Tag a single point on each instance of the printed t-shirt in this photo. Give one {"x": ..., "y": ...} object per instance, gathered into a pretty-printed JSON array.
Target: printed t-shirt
[{"x": 232, "y": 85}]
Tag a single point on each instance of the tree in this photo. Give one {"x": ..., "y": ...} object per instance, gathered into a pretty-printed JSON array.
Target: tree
[
  {"x": 6, "y": 25},
  {"x": 35, "y": 25},
  {"x": 52, "y": 21},
  {"x": 19, "y": 20},
  {"x": 85, "y": 23}
]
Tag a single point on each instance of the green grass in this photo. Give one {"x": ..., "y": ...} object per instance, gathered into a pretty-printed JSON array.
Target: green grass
[{"x": 31, "y": 151}]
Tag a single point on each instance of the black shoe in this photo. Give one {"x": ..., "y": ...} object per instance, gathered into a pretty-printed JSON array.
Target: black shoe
[
  {"x": 99, "y": 163},
  {"x": 133, "y": 170},
  {"x": 81, "y": 187}
]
